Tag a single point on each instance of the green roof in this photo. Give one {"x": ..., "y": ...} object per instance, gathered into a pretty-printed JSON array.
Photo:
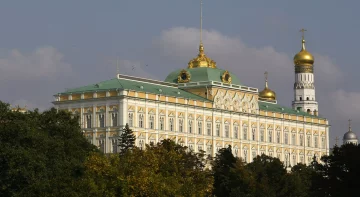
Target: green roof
[
  {"x": 202, "y": 74},
  {"x": 140, "y": 86},
  {"x": 278, "y": 108}
]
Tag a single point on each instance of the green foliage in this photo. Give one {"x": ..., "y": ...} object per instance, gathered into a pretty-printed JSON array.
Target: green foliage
[
  {"x": 127, "y": 140},
  {"x": 41, "y": 154}
]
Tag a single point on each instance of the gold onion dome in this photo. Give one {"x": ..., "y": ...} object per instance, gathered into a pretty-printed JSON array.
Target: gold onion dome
[
  {"x": 267, "y": 93},
  {"x": 201, "y": 60},
  {"x": 303, "y": 57}
]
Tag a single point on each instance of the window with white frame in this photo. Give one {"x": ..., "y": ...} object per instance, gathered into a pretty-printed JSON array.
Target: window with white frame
[
  {"x": 114, "y": 119},
  {"x": 190, "y": 126},
  {"x": 236, "y": 151},
  {"x": 208, "y": 149},
  {"x": 200, "y": 147},
  {"x": 227, "y": 128},
  {"x": 271, "y": 154},
  {"x": 131, "y": 119},
  {"x": 270, "y": 132},
  {"x": 141, "y": 144},
  {"x": 253, "y": 133},
  {"x": 208, "y": 128},
  {"x": 286, "y": 138},
  {"x": 293, "y": 139},
  {"x": 308, "y": 139},
  {"x": 162, "y": 122},
  {"x": 253, "y": 155},
  {"x": 294, "y": 160},
  {"x": 114, "y": 143},
  {"x": 88, "y": 120},
  {"x": 236, "y": 131},
  {"x": 199, "y": 127},
  {"x": 171, "y": 124},
  {"x": 245, "y": 156},
  {"x": 262, "y": 133},
  {"x": 245, "y": 132},
  {"x": 278, "y": 156},
  {"x": 101, "y": 118},
  {"x": 151, "y": 121},
  {"x": 102, "y": 145},
  {"x": 322, "y": 142},
  {"x": 278, "y": 136},
  {"x": 141, "y": 120},
  {"x": 191, "y": 147},
  {"x": 302, "y": 159},
  {"x": 181, "y": 125},
  {"x": 316, "y": 141},
  {"x": 218, "y": 129},
  {"x": 301, "y": 140}
]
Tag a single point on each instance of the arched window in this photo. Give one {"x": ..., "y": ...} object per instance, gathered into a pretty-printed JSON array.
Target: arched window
[
  {"x": 293, "y": 139},
  {"x": 270, "y": 132},
  {"x": 253, "y": 132},
  {"x": 151, "y": 121},
  {"x": 308, "y": 110},
  {"x": 162, "y": 121},
  {"x": 236, "y": 131},
  {"x": 300, "y": 98},
  {"x": 245, "y": 131},
  {"x": 208, "y": 128},
  {"x": 218, "y": 129},
  {"x": 190, "y": 126},
  {"x": 262, "y": 133},
  {"x": 307, "y": 98}
]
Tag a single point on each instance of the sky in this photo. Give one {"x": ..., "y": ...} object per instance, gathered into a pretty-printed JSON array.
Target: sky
[{"x": 48, "y": 46}]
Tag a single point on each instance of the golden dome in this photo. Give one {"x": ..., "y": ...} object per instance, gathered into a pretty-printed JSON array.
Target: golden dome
[
  {"x": 267, "y": 94},
  {"x": 201, "y": 60},
  {"x": 303, "y": 58}
]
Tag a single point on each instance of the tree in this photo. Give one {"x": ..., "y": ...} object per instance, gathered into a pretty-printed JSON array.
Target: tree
[
  {"x": 127, "y": 140},
  {"x": 222, "y": 165},
  {"x": 41, "y": 154}
]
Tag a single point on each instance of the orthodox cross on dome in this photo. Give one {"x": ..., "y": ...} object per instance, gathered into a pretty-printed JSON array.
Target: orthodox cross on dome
[
  {"x": 349, "y": 124},
  {"x": 266, "y": 79},
  {"x": 303, "y": 33},
  {"x": 201, "y": 3}
]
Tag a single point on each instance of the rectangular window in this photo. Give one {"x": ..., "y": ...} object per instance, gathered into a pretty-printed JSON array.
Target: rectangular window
[
  {"x": 316, "y": 141},
  {"x": 270, "y": 135},
  {"x": 217, "y": 129},
  {"x": 286, "y": 140},
  {"x": 190, "y": 126},
  {"x": 181, "y": 125},
  {"x": 162, "y": 121},
  {"x": 245, "y": 132},
  {"x": 293, "y": 139},
  {"x": 101, "y": 120},
  {"x": 208, "y": 128},
  {"x": 301, "y": 140},
  {"x": 236, "y": 132},
  {"x": 323, "y": 142},
  {"x": 308, "y": 140},
  {"x": 131, "y": 119},
  {"x": 141, "y": 121},
  {"x": 262, "y": 133},
  {"x": 199, "y": 128},
  {"x": 171, "y": 124},
  {"x": 151, "y": 121},
  {"x": 114, "y": 119},
  {"x": 227, "y": 130},
  {"x": 88, "y": 121},
  {"x": 278, "y": 137},
  {"x": 253, "y": 133}
]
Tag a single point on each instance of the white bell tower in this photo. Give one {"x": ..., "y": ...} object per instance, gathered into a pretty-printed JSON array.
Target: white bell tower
[{"x": 304, "y": 88}]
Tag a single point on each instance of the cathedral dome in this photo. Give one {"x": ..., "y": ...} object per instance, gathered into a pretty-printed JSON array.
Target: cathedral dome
[
  {"x": 267, "y": 94},
  {"x": 350, "y": 136},
  {"x": 303, "y": 57}
]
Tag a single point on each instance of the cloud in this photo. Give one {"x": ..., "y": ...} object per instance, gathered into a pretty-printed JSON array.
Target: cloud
[
  {"x": 44, "y": 62},
  {"x": 249, "y": 64}
]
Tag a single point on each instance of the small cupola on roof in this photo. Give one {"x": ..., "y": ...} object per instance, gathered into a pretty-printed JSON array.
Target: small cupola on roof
[{"x": 267, "y": 94}]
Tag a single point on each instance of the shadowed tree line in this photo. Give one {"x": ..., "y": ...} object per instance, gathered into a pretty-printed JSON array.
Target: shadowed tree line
[{"x": 46, "y": 154}]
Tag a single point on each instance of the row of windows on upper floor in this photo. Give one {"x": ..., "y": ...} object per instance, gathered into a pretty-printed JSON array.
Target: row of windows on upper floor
[
  {"x": 289, "y": 159},
  {"x": 208, "y": 130}
]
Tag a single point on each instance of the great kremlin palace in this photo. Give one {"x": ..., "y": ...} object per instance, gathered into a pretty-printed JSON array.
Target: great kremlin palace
[{"x": 205, "y": 107}]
